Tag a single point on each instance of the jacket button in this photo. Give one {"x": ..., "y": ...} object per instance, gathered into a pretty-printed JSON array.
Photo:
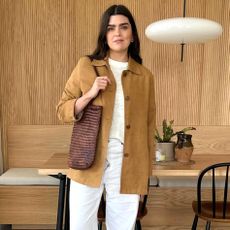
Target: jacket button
[
  {"x": 127, "y": 98},
  {"x": 126, "y": 154},
  {"x": 127, "y": 126}
]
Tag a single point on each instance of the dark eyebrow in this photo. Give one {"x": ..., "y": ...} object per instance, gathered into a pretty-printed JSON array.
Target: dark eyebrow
[{"x": 122, "y": 24}]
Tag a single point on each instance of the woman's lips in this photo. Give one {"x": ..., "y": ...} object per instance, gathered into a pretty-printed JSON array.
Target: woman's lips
[{"x": 118, "y": 41}]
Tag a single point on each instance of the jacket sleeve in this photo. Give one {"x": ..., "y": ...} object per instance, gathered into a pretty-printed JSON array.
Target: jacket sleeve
[
  {"x": 72, "y": 91},
  {"x": 151, "y": 123}
]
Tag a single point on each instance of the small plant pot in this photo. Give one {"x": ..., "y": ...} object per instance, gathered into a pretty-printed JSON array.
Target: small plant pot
[
  {"x": 166, "y": 151},
  {"x": 184, "y": 147}
]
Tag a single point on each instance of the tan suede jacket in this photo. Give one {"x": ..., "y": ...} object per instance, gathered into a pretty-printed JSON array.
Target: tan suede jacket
[{"x": 140, "y": 113}]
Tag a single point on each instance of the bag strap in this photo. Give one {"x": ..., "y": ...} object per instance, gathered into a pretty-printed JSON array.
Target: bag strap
[
  {"x": 95, "y": 68},
  {"x": 96, "y": 71}
]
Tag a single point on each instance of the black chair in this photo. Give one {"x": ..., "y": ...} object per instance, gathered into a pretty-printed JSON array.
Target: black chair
[
  {"x": 215, "y": 209},
  {"x": 142, "y": 210}
]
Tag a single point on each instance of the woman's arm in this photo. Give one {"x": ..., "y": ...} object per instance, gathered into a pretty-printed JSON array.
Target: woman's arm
[
  {"x": 72, "y": 91},
  {"x": 72, "y": 102}
]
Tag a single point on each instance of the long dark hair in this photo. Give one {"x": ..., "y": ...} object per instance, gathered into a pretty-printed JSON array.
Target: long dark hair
[{"x": 102, "y": 48}]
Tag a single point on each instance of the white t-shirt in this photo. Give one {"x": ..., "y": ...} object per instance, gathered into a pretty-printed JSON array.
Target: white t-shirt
[{"x": 117, "y": 128}]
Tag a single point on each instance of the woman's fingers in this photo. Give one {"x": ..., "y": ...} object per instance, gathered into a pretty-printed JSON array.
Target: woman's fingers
[
  {"x": 102, "y": 82},
  {"x": 106, "y": 79},
  {"x": 103, "y": 79}
]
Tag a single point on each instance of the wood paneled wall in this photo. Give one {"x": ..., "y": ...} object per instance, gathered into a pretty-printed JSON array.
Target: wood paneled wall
[{"x": 41, "y": 41}]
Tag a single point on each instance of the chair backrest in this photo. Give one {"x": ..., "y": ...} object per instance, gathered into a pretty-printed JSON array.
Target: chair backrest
[{"x": 215, "y": 171}]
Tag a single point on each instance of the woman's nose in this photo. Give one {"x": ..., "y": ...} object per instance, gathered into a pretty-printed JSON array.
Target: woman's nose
[{"x": 117, "y": 31}]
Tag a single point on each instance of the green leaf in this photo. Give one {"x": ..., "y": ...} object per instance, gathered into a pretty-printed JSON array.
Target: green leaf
[
  {"x": 168, "y": 132},
  {"x": 187, "y": 129},
  {"x": 157, "y": 136}
]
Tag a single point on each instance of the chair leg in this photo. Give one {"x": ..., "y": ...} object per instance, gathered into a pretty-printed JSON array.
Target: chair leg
[
  {"x": 99, "y": 225},
  {"x": 208, "y": 225},
  {"x": 194, "y": 225},
  {"x": 138, "y": 225},
  {"x": 5, "y": 227}
]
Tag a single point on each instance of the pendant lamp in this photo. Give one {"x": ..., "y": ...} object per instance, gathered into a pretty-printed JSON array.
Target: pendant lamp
[{"x": 182, "y": 30}]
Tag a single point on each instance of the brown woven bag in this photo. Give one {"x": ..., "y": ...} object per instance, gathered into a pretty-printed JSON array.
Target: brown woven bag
[{"x": 84, "y": 138}]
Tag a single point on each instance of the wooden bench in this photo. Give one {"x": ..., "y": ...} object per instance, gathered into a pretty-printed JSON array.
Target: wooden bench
[
  {"x": 25, "y": 196},
  {"x": 28, "y": 199}
]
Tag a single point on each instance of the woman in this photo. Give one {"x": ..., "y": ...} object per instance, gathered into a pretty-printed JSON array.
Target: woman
[{"x": 125, "y": 146}]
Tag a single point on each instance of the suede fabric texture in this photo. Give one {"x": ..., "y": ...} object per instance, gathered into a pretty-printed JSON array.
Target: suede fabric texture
[{"x": 140, "y": 116}]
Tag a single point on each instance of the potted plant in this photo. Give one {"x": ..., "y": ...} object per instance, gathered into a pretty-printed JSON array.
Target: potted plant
[{"x": 165, "y": 148}]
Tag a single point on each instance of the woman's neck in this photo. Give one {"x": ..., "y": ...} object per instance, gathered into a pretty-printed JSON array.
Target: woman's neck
[{"x": 118, "y": 56}]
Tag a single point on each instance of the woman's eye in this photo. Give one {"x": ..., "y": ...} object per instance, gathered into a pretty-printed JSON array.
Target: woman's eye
[
  {"x": 124, "y": 27},
  {"x": 109, "y": 28}
]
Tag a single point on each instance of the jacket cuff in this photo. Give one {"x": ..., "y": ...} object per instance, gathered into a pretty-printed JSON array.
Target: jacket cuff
[{"x": 77, "y": 117}]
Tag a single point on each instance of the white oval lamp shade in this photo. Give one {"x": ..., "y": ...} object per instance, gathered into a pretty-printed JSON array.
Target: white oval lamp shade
[{"x": 183, "y": 30}]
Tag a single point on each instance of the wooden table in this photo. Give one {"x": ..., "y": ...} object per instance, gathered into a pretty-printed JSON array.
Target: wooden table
[
  {"x": 193, "y": 168},
  {"x": 57, "y": 166}
]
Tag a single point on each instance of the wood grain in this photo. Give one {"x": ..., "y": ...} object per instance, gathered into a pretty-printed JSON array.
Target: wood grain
[
  {"x": 41, "y": 42},
  {"x": 169, "y": 208},
  {"x": 16, "y": 208},
  {"x": 34, "y": 226},
  {"x": 209, "y": 139},
  {"x": 172, "y": 207},
  {"x": 166, "y": 227},
  {"x": 1, "y": 154},
  {"x": 33, "y": 145}
]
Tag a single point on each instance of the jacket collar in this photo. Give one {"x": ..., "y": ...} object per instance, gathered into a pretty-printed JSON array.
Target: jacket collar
[{"x": 133, "y": 66}]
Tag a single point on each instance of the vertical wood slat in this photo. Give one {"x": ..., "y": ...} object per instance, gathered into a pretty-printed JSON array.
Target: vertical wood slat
[
  {"x": 1, "y": 155},
  {"x": 41, "y": 42}
]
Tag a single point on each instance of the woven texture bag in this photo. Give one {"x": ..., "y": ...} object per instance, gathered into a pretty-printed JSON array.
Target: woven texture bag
[{"x": 84, "y": 138}]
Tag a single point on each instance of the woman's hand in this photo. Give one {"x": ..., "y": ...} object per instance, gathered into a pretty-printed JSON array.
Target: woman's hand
[{"x": 100, "y": 83}]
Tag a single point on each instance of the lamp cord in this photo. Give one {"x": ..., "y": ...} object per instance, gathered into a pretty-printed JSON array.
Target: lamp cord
[
  {"x": 184, "y": 8},
  {"x": 182, "y": 44}
]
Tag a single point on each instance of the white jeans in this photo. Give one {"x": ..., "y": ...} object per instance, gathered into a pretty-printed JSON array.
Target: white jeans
[{"x": 121, "y": 209}]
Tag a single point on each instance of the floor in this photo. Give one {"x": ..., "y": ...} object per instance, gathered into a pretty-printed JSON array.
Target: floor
[{"x": 149, "y": 228}]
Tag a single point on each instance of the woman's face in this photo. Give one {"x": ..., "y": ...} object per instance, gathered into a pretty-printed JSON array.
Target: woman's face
[{"x": 119, "y": 34}]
